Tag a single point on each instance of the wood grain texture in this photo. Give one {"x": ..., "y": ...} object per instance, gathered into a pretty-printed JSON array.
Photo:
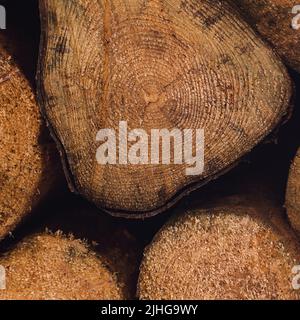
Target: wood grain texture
[
  {"x": 273, "y": 20},
  {"x": 29, "y": 165},
  {"x": 155, "y": 64},
  {"x": 229, "y": 252},
  {"x": 293, "y": 194},
  {"x": 56, "y": 267},
  {"x": 111, "y": 239}
]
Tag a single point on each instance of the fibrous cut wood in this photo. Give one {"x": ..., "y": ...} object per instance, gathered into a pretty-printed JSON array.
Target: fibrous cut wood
[
  {"x": 278, "y": 21},
  {"x": 112, "y": 239},
  {"x": 157, "y": 65},
  {"x": 28, "y": 161},
  {"x": 227, "y": 252},
  {"x": 293, "y": 194},
  {"x": 55, "y": 267}
]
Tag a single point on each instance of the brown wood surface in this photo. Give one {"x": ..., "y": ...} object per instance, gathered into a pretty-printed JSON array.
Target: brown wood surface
[
  {"x": 156, "y": 64},
  {"x": 293, "y": 194},
  {"x": 273, "y": 20},
  {"x": 29, "y": 165},
  {"x": 235, "y": 251}
]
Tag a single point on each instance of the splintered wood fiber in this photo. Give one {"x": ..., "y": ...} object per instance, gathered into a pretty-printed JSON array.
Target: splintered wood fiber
[
  {"x": 223, "y": 253},
  {"x": 293, "y": 194},
  {"x": 28, "y": 164},
  {"x": 55, "y": 267}
]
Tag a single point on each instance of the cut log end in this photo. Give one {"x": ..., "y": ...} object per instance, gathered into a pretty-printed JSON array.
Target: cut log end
[
  {"x": 112, "y": 239},
  {"x": 26, "y": 154},
  {"x": 52, "y": 266},
  {"x": 278, "y": 22},
  {"x": 157, "y": 65},
  {"x": 220, "y": 253},
  {"x": 293, "y": 194}
]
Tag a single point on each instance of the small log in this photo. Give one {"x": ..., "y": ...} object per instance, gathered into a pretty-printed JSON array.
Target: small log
[
  {"x": 55, "y": 267},
  {"x": 112, "y": 239}
]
